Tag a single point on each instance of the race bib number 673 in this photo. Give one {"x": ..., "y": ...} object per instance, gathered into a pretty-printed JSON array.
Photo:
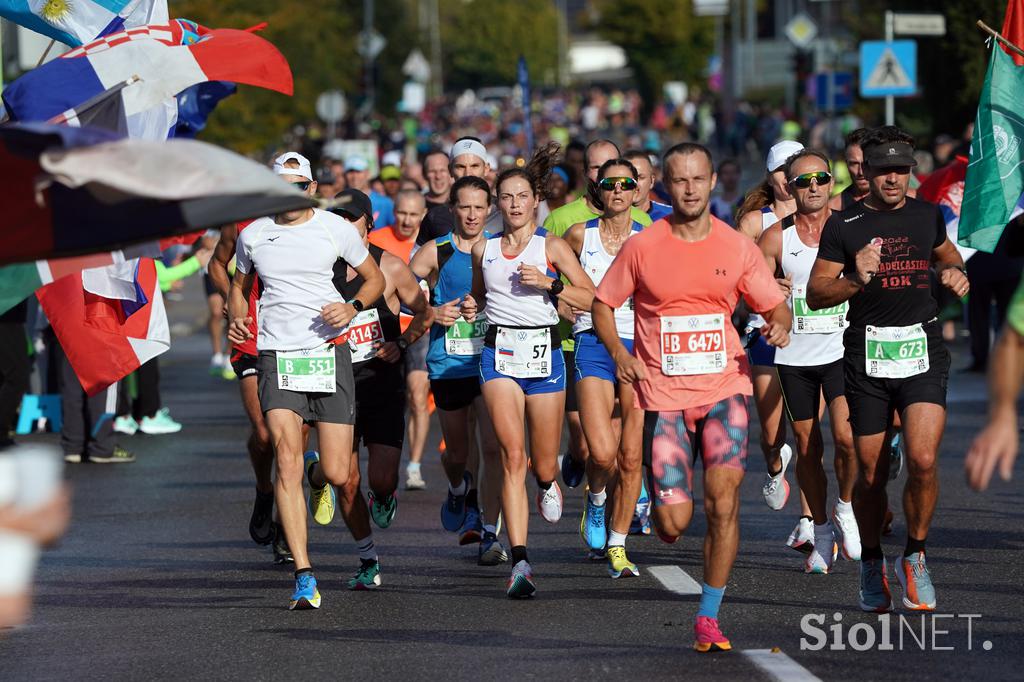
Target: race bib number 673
[{"x": 693, "y": 344}]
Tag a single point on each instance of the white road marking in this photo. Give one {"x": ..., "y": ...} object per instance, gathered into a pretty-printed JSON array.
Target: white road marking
[
  {"x": 778, "y": 666},
  {"x": 675, "y": 579}
]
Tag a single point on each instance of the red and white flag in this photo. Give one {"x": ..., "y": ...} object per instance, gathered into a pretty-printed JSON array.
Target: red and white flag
[{"x": 105, "y": 339}]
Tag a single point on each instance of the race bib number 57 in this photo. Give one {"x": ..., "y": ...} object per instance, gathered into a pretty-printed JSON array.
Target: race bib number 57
[{"x": 693, "y": 344}]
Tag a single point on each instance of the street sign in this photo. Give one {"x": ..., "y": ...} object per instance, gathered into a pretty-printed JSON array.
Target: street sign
[
  {"x": 370, "y": 43},
  {"x": 331, "y": 106},
  {"x": 912, "y": 24},
  {"x": 888, "y": 69},
  {"x": 801, "y": 30},
  {"x": 710, "y": 8},
  {"x": 416, "y": 66},
  {"x": 840, "y": 97}
]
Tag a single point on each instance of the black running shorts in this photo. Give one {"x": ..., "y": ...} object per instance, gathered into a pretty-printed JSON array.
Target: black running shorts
[{"x": 802, "y": 387}]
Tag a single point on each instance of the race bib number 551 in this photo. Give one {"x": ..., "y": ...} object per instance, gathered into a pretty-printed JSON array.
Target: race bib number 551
[
  {"x": 693, "y": 344},
  {"x": 306, "y": 371}
]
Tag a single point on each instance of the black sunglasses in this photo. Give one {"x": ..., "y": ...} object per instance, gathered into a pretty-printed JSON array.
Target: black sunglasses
[
  {"x": 303, "y": 186},
  {"x": 608, "y": 184}
]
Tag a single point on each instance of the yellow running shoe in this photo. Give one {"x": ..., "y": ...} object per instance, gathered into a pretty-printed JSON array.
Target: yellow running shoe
[
  {"x": 619, "y": 565},
  {"x": 322, "y": 501}
]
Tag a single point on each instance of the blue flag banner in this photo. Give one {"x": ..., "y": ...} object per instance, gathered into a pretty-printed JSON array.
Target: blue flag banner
[{"x": 523, "y": 76}]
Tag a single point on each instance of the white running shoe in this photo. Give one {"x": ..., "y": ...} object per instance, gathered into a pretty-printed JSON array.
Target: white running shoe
[
  {"x": 549, "y": 503},
  {"x": 848, "y": 533},
  {"x": 802, "y": 537},
  {"x": 414, "y": 480},
  {"x": 217, "y": 364},
  {"x": 819, "y": 561},
  {"x": 776, "y": 488}
]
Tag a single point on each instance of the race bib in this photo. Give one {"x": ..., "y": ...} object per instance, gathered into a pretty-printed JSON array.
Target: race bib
[
  {"x": 824, "y": 321},
  {"x": 365, "y": 335},
  {"x": 523, "y": 353},
  {"x": 895, "y": 352},
  {"x": 306, "y": 371},
  {"x": 693, "y": 344},
  {"x": 465, "y": 338}
]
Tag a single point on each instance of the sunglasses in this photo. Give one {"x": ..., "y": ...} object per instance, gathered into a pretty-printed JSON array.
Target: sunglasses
[
  {"x": 608, "y": 184},
  {"x": 303, "y": 186},
  {"x": 803, "y": 181}
]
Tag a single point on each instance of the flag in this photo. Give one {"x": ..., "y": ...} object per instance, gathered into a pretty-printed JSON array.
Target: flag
[
  {"x": 74, "y": 22},
  {"x": 157, "y": 55},
  {"x": 73, "y": 191},
  {"x": 1013, "y": 28},
  {"x": 523, "y": 79},
  {"x": 945, "y": 187},
  {"x": 995, "y": 172},
  {"x": 196, "y": 103},
  {"x": 105, "y": 110},
  {"x": 102, "y": 341}
]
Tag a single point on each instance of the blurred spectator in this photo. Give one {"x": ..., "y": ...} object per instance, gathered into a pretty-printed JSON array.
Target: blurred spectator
[
  {"x": 727, "y": 197},
  {"x": 994, "y": 278},
  {"x": 391, "y": 177},
  {"x": 14, "y": 368},
  {"x": 357, "y": 175}
]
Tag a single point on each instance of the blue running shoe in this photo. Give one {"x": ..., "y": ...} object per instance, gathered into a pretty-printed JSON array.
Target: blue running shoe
[
  {"x": 641, "y": 524},
  {"x": 896, "y": 458},
  {"x": 874, "y": 586},
  {"x": 473, "y": 528},
  {"x": 572, "y": 471},
  {"x": 306, "y": 595},
  {"x": 322, "y": 501},
  {"x": 453, "y": 511},
  {"x": 916, "y": 581},
  {"x": 592, "y": 526}
]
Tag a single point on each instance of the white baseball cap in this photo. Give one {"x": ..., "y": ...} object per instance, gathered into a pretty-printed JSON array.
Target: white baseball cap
[
  {"x": 781, "y": 151},
  {"x": 302, "y": 171},
  {"x": 356, "y": 163},
  {"x": 392, "y": 158},
  {"x": 467, "y": 146}
]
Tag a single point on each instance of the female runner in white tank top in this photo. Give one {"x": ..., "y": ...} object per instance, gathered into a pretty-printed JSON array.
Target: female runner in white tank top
[
  {"x": 597, "y": 242},
  {"x": 522, "y": 372}
]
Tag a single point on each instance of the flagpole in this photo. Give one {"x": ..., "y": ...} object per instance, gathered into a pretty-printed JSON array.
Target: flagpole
[
  {"x": 985, "y": 27},
  {"x": 46, "y": 53}
]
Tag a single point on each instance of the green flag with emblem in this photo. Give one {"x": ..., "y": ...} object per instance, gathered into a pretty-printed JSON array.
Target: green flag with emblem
[{"x": 995, "y": 173}]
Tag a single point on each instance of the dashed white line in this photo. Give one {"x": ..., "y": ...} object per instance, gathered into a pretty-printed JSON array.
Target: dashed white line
[
  {"x": 675, "y": 579},
  {"x": 778, "y": 666}
]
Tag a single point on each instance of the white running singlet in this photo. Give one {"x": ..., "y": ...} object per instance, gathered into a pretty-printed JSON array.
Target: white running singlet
[
  {"x": 510, "y": 303},
  {"x": 596, "y": 261}
]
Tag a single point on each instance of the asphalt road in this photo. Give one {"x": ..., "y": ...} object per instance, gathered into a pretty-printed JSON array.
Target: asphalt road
[{"x": 157, "y": 578}]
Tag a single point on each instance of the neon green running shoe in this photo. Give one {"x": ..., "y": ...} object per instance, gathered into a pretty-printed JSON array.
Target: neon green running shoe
[
  {"x": 619, "y": 565},
  {"x": 322, "y": 501}
]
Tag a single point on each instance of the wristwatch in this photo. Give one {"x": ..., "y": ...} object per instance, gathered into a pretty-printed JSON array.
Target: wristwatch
[
  {"x": 402, "y": 343},
  {"x": 357, "y": 304},
  {"x": 556, "y": 287}
]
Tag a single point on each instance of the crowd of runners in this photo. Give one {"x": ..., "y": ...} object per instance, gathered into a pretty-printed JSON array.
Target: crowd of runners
[{"x": 612, "y": 318}]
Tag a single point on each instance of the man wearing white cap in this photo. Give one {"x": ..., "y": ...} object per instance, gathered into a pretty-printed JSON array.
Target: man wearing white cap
[
  {"x": 357, "y": 175},
  {"x": 305, "y": 367},
  {"x": 468, "y": 156}
]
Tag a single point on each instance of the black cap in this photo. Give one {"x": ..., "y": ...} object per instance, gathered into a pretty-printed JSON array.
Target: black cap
[
  {"x": 352, "y": 204},
  {"x": 890, "y": 155}
]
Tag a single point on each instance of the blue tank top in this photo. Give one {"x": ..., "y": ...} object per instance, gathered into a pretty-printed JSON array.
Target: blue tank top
[{"x": 454, "y": 279}]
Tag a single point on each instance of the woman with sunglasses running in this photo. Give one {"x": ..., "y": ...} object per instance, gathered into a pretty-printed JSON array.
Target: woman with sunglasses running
[
  {"x": 596, "y": 243},
  {"x": 522, "y": 373}
]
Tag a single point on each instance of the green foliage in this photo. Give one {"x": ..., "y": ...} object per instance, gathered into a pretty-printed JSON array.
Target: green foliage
[{"x": 662, "y": 39}]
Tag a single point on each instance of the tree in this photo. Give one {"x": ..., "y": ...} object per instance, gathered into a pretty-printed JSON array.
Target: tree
[{"x": 662, "y": 39}]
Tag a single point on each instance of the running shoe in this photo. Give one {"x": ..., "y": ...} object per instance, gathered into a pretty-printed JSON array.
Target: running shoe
[
  {"x": 118, "y": 456},
  {"x": 228, "y": 372},
  {"x": 619, "y": 565},
  {"x": 491, "y": 552},
  {"x": 282, "y": 553},
  {"x": 641, "y": 524},
  {"x": 549, "y": 503},
  {"x": 126, "y": 425},
  {"x": 367, "y": 577},
  {"x": 597, "y": 554},
  {"x": 820, "y": 562},
  {"x": 874, "y": 586},
  {"x": 802, "y": 537},
  {"x": 848, "y": 533},
  {"x": 414, "y": 480},
  {"x": 572, "y": 471},
  {"x": 896, "y": 456},
  {"x": 708, "y": 637},
  {"x": 592, "y": 526},
  {"x": 73, "y": 457},
  {"x": 159, "y": 424},
  {"x": 453, "y": 511},
  {"x": 776, "y": 488},
  {"x": 261, "y": 523},
  {"x": 322, "y": 501},
  {"x": 916, "y": 581},
  {"x": 383, "y": 512},
  {"x": 306, "y": 595},
  {"x": 473, "y": 528},
  {"x": 520, "y": 583},
  {"x": 217, "y": 364}
]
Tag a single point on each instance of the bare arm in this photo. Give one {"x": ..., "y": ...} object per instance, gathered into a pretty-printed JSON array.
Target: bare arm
[
  {"x": 778, "y": 322},
  {"x": 222, "y": 254},
  {"x": 750, "y": 224},
  {"x": 949, "y": 266},
  {"x": 825, "y": 287},
  {"x": 574, "y": 238},
  {"x": 411, "y": 296},
  {"x": 770, "y": 243},
  {"x": 238, "y": 307},
  {"x": 999, "y": 442},
  {"x": 474, "y": 303},
  {"x": 579, "y": 293},
  {"x": 628, "y": 367}
]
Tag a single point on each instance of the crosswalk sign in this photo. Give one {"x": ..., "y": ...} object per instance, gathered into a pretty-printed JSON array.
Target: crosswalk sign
[{"x": 888, "y": 68}]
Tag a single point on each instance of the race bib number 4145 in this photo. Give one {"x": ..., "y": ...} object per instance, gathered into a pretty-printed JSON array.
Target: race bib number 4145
[{"x": 693, "y": 344}]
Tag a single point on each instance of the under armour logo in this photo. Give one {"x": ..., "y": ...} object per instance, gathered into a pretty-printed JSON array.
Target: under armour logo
[
  {"x": 720, "y": 271},
  {"x": 668, "y": 492}
]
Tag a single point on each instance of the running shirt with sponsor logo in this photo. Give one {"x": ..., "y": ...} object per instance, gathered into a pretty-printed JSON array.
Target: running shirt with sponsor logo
[
  {"x": 901, "y": 293},
  {"x": 686, "y": 291}
]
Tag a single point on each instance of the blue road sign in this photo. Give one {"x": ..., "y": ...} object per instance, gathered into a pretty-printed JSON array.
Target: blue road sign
[
  {"x": 841, "y": 95},
  {"x": 888, "y": 68}
]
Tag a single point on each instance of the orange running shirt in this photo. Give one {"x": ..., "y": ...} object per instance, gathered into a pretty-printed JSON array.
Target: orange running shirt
[
  {"x": 694, "y": 286},
  {"x": 386, "y": 239}
]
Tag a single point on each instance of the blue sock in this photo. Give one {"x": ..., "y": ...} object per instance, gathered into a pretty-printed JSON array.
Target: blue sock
[{"x": 710, "y": 600}]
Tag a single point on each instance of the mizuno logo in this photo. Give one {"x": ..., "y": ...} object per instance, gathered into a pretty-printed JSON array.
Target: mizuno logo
[
  {"x": 591, "y": 253},
  {"x": 491, "y": 260},
  {"x": 271, "y": 239},
  {"x": 796, "y": 253},
  {"x": 554, "y": 380}
]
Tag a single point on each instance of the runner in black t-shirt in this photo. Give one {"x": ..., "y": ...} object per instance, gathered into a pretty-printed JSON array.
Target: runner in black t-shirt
[{"x": 895, "y": 358}]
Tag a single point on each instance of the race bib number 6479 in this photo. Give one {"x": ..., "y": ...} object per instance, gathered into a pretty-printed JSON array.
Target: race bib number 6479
[{"x": 693, "y": 344}]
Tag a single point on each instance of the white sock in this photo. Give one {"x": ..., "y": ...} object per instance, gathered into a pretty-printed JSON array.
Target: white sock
[
  {"x": 413, "y": 466},
  {"x": 460, "y": 490},
  {"x": 367, "y": 552},
  {"x": 844, "y": 507},
  {"x": 616, "y": 539},
  {"x": 598, "y": 498},
  {"x": 490, "y": 528}
]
